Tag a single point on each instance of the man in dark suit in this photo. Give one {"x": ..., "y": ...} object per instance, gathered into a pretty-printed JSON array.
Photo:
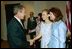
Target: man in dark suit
[
  {"x": 16, "y": 31},
  {"x": 31, "y": 25}
]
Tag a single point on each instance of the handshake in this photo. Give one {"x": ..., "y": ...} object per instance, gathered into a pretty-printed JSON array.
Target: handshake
[{"x": 31, "y": 42}]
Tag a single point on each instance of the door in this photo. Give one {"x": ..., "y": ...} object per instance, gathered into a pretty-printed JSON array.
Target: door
[{"x": 9, "y": 11}]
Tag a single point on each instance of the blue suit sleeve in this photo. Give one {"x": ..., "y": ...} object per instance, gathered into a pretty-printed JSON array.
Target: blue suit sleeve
[{"x": 62, "y": 34}]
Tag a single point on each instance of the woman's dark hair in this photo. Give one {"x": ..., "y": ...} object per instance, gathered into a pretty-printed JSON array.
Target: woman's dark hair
[
  {"x": 57, "y": 13},
  {"x": 40, "y": 15}
]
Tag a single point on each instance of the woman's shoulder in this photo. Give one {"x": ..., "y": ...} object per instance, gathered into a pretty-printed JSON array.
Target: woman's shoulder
[{"x": 62, "y": 24}]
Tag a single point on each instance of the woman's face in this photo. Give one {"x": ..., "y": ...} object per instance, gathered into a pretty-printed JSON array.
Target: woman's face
[
  {"x": 52, "y": 17},
  {"x": 44, "y": 15}
]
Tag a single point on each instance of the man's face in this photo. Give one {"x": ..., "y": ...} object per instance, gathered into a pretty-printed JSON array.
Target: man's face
[
  {"x": 31, "y": 14},
  {"x": 22, "y": 13},
  {"x": 38, "y": 17}
]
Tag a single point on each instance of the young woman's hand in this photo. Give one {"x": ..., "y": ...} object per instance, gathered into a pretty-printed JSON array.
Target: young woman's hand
[{"x": 31, "y": 42}]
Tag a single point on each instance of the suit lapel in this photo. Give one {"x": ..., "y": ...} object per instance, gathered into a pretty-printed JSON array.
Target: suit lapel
[{"x": 19, "y": 24}]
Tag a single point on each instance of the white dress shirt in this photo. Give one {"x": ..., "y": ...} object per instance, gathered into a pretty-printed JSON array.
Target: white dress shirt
[{"x": 19, "y": 21}]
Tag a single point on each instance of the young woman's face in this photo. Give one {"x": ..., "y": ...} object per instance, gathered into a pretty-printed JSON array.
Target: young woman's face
[
  {"x": 38, "y": 18},
  {"x": 44, "y": 15},
  {"x": 52, "y": 17}
]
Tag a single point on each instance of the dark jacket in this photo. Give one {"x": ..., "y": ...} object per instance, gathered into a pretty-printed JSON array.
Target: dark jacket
[
  {"x": 16, "y": 35},
  {"x": 31, "y": 24}
]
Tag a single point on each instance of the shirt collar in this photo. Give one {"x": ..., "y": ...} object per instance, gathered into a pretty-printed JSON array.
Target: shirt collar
[{"x": 18, "y": 19}]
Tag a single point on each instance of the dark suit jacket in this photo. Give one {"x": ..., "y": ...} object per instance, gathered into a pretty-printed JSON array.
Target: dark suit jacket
[
  {"x": 16, "y": 35},
  {"x": 31, "y": 24}
]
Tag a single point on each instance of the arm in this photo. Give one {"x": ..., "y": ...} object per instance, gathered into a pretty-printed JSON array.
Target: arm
[
  {"x": 62, "y": 35},
  {"x": 37, "y": 37},
  {"x": 33, "y": 40}
]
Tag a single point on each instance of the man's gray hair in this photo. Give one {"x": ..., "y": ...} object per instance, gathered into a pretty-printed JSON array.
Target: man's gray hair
[{"x": 17, "y": 8}]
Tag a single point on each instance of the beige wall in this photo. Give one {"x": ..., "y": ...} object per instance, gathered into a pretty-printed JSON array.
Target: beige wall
[
  {"x": 3, "y": 22},
  {"x": 35, "y": 6}
]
